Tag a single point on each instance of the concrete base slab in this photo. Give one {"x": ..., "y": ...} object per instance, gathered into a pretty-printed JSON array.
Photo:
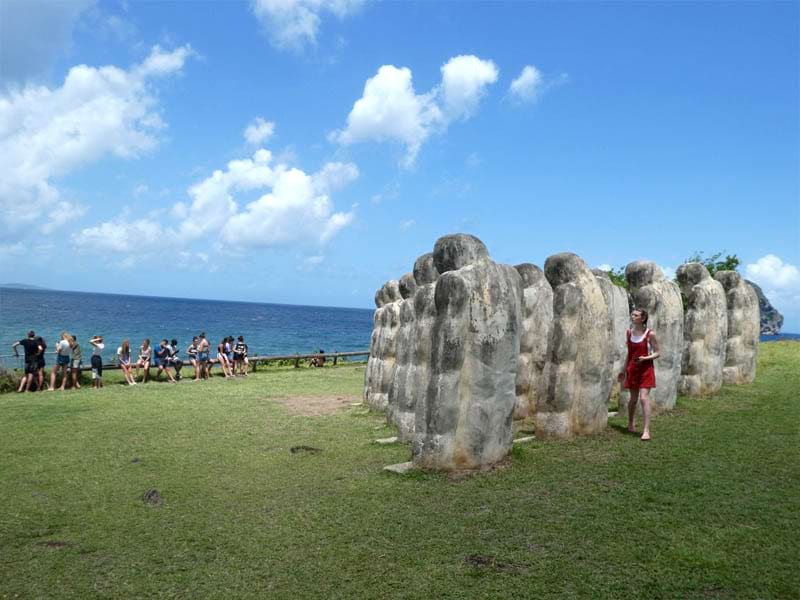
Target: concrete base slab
[
  {"x": 612, "y": 413},
  {"x": 389, "y": 440},
  {"x": 525, "y": 440},
  {"x": 400, "y": 468}
]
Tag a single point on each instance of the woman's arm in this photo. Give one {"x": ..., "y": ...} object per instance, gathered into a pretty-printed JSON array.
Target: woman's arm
[{"x": 655, "y": 349}]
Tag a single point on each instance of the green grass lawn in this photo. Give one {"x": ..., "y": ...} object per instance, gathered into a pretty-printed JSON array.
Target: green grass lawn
[{"x": 709, "y": 509}]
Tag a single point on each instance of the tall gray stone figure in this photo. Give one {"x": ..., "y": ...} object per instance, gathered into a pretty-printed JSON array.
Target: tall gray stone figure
[
  {"x": 577, "y": 376},
  {"x": 534, "y": 341},
  {"x": 404, "y": 346},
  {"x": 661, "y": 298},
  {"x": 741, "y": 348},
  {"x": 464, "y": 421},
  {"x": 412, "y": 382},
  {"x": 705, "y": 331},
  {"x": 618, "y": 323},
  {"x": 380, "y": 365}
]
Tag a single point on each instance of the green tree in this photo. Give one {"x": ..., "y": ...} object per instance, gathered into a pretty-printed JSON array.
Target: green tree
[{"x": 715, "y": 262}]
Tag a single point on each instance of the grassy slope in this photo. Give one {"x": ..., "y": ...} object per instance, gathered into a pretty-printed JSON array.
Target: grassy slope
[{"x": 709, "y": 509}]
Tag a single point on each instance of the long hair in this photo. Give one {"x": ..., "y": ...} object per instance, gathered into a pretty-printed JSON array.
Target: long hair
[{"x": 126, "y": 347}]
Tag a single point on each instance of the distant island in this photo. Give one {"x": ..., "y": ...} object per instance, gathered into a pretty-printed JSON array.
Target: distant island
[{"x": 23, "y": 286}]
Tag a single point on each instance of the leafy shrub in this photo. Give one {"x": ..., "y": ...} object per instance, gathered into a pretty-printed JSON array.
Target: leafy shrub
[{"x": 9, "y": 381}]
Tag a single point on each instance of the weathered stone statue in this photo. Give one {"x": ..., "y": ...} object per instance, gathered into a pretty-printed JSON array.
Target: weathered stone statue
[
  {"x": 534, "y": 341},
  {"x": 618, "y": 323},
  {"x": 380, "y": 366},
  {"x": 705, "y": 331},
  {"x": 577, "y": 388},
  {"x": 464, "y": 419},
  {"x": 411, "y": 383},
  {"x": 661, "y": 298},
  {"x": 741, "y": 349},
  {"x": 404, "y": 344}
]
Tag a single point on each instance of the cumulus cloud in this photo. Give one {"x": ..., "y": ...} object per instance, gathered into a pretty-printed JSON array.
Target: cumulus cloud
[
  {"x": 294, "y": 24},
  {"x": 406, "y": 224},
  {"x": 293, "y": 208},
  {"x": 526, "y": 87},
  {"x": 259, "y": 131},
  {"x": 779, "y": 280},
  {"x": 605, "y": 267},
  {"x": 391, "y": 110},
  {"x": 50, "y": 132},
  {"x": 464, "y": 82}
]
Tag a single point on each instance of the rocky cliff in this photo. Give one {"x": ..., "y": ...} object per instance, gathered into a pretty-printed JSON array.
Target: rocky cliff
[{"x": 771, "y": 319}]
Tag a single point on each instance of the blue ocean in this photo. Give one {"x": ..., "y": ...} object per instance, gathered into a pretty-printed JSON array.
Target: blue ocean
[{"x": 268, "y": 329}]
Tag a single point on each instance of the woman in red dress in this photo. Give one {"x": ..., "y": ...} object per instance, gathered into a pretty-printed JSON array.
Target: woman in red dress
[{"x": 639, "y": 375}]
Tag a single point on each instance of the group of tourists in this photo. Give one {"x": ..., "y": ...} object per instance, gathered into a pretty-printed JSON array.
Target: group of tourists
[{"x": 231, "y": 355}]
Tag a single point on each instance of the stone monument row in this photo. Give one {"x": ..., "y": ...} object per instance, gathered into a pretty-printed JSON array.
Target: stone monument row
[{"x": 464, "y": 345}]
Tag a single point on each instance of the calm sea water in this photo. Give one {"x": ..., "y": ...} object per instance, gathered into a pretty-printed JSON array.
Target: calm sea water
[{"x": 267, "y": 328}]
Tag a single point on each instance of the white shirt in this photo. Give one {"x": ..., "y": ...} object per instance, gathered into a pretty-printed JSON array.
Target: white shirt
[
  {"x": 63, "y": 348},
  {"x": 98, "y": 348}
]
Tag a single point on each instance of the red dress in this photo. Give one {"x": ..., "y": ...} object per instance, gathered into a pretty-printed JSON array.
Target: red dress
[{"x": 639, "y": 374}]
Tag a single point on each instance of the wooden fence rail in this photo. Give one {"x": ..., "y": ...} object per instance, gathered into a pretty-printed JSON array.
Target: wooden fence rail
[{"x": 254, "y": 360}]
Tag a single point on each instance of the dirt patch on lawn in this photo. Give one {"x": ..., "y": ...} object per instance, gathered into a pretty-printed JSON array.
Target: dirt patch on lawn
[{"x": 317, "y": 406}]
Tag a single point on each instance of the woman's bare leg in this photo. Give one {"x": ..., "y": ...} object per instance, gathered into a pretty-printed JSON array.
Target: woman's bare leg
[
  {"x": 645, "y": 396},
  {"x": 634, "y": 398}
]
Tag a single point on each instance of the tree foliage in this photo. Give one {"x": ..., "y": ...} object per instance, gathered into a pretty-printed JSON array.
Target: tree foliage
[{"x": 715, "y": 262}]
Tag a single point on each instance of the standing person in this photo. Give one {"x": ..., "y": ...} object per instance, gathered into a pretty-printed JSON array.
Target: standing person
[
  {"x": 191, "y": 351},
  {"x": 40, "y": 364},
  {"x": 240, "y": 356},
  {"x": 32, "y": 350},
  {"x": 124, "y": 358},
  {"x": 229, "y": 353},
  {"x": 162, "y": 355},
  {"x": 203, "y": 351},
  {"x": 174, "y": 359},
  {"x": 639, "y": 376},
  {"x": 75, "y": 366},
  {"x": 143, "y": 361},
  {"x": 222, "y": 357},
  {"x": 97, "y": 361},
  {"x": 63, "y": 354}
]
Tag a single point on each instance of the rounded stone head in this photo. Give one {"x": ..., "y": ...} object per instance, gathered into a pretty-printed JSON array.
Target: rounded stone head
[
  {"x": 392, "y": 291},
  {"x": 530, "y": 274},
  {"x": 728, "y": 279},
  {"x": 380, "y": 297},
  {"x": 453, "y": 252},
  {"x": 424, "y": 270},
  {"x": 564, "y": 267},
  {"x": 690, "y": 274},
  {"x": 601, "y": 274},
  {"x": 640, "y": 273},
  {"x": 407, "y": 285}
]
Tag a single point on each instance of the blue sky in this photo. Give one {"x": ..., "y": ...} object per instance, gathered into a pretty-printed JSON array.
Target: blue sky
[{"x": 307, "y": 151}]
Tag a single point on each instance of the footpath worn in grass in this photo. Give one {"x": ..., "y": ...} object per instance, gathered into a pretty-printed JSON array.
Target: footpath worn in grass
[{"x": 709, "y": 509}]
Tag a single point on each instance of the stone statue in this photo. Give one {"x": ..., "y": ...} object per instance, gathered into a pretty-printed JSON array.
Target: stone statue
[
  {"x": 618, "y": 323},
  {"x": 380, "y": 365},
  {"x": 577, "y": 376},
  {"x": 705, "y": 331},
  {"x": 464, "y": 419},
  {"x": 404, "y": 345},
  {"x": 741, "y": 349},
  {"x": 661, "y": 298},
  {"x": 412, "y": 381},
  {"x": 534, "y": 341}
]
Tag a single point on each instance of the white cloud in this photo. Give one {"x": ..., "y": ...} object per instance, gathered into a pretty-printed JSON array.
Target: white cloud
[
  {"x": 605, "y": 267},
  {"x": 46, "y": 133},
  {"x": 293, "y": 211},
  {"x": 407, "y": 224},
  {"x": 310, "y": 263},
  {"x": 293, "y": 24},
  {"x": 526, "y": 87},
  {"x": 390, "y": 110},
  {"x": 669, "y": 272},
  {"x": 771, "y": 272},
  {"x": 334, "y": 176},
  {"x": 464, "y": 82},
  {"x": 122, "y": 237},
  {"x": 259, "y": 131}
]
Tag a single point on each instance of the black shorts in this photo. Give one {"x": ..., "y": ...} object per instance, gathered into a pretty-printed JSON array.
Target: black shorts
[
  {"x": 238, "y": 356},
  {"x": 31, "y": 366},
  {"x": 97, "y": 365},
  {"x": 40, "y": 362}
]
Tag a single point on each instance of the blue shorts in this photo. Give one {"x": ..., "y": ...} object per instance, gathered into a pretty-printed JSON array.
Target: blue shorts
[{"x": 62, "y": 360}]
